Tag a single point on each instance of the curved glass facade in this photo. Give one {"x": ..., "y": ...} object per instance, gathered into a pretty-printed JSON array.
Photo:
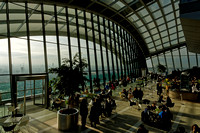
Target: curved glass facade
[{"x": 35, "y": 37}]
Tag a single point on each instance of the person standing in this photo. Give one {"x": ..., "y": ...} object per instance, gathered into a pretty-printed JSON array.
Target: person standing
[
  {"x": 94, "y": 116},
  {"x": 140, "y": 94},
  {"x": 83, "y": 112}
]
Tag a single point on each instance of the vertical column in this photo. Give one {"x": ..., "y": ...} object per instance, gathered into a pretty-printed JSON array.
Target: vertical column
[
  {"x": 88, "y": 52},
  {"x": 172, "y": 59},
  {"x": 44, "y": 38},
  {"x": 197, "y": 60},
  {"x": 122, "y": 44},
  {"x": 105, "y": 36},
  {"x": 180, "y": 59},
  {"x": 78, "y": 39},
  {"x": 28, "y": 38},
  {"x": 131, "y": 55},
  {"x": 94, "y": 42},
  {"x": 119, "y": 50},
  {"x": 13, "y": 91},
  {"x": 57, "y": 36},
  {"x": 100, "y": 43},
  {"x": 115, "y": 46},
  {"x": 68, "y": 36},
  {"x": 45, "y": 51},
  {"x": 188, "y": 58},
  {"x": 126, "y": 51}
]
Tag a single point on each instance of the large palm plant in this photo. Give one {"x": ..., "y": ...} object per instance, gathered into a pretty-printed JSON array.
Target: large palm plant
[
  {"x": 69, "y": 77},
  {"x": 161, "y": 68}
]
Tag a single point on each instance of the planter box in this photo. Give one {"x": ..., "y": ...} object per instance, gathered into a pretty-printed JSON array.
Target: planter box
[
  {"x": 67, "y": 119},
  {"x": 185, "y": 95}
]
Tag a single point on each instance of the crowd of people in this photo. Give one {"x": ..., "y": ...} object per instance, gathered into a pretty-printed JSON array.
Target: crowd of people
[
  {"x": 99, "y": 107},
  {"x": 103, "y": 104},
  {"x": 136, "y": 93}
]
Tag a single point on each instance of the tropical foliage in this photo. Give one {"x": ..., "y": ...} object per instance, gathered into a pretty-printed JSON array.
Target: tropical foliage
[
  {"x": 70, "y": 76},
  {"x": 161, "y": 68}
]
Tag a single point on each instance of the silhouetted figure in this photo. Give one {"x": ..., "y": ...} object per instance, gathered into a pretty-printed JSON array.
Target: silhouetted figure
[
  {"x": 83, "y": 112},
  {"x": 135, "y": 92},
  {"x": 195, "y": 129},
  {"x": 140, "y": 94},
  {"x": 142, "y": 129},
  {"x": 94, "y": 116},
  {"x": 108, "y": 107},
  {"x": 161, "y": 99},
  {"x": 169, "y": 102}
]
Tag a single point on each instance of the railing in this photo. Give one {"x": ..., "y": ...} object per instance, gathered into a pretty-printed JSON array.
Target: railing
[{"x": 20, "y": 96}]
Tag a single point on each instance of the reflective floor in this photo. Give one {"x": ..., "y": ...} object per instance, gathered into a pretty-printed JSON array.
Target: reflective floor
[{"x": 123, "y": 119}]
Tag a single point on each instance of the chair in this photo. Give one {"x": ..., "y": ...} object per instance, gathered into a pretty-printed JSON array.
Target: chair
[
  {"x": 23, "y": 123},
  {"x": 11, "y": 109},
  {"x": 8, "y": 127},
  {"x": 20, "y": 108},
  {"x": 2, "y": 119}
]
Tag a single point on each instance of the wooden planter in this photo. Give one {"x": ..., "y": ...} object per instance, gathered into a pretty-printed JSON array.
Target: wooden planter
[{"x": 185, "y": 95}]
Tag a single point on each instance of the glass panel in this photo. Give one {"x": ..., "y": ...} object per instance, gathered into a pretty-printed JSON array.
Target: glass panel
[
  {"x": 133, "y": 18},
  {"x": 168, "y": 9},
  {"x": 198, "y": 60},
  {"x": 155, "y": 61},
  {"x": 5, "y": 88},
  {"x": 4, "y": 65},
  {"x": 118, "y": 5},
  {"x": 153, "y": 7},
  {"x": 139, "y": 23},
  {"x": 162, "y": 27},
  {"x": 184, "y": 58},
  {"x": 146, "y": 34},
  {"x": 158, "y": 42},
  {"x": 149, "y": 63},
  {"x": 74, "y": 46},
  {"x": 162, "y": 59},
  {"x": 193, "y": 60},
  {"x": 169, "y": 61},
  {"x": 157, "y": 14},
  {"x": 171, "y": 24},
  {"x": 147, "y": 19},
  {"x": 155, "y": 37},
  {"x": 176, "y": 59},
  {"x": 37, "y": 55},
  {"x": 143, "y": 12},
  {"x": 151, "y": 25},
  {"x": 52, "y": 54},
  {"x": 170, "y": 17},
  {"x": 19, "y": 56},
  {"x": 160, "y": 21},
  {"x": 164, "y": 2}
]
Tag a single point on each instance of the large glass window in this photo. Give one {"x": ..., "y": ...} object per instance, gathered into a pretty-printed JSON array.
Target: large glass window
[
  {"x": 176, "y": 59},
  {"x": 193, "y": 59},
  {"x": 184, "y": 58},
  {"x": 5, "y": 87},
  {"x": 170, "y": 65},
  {"x": 4, "y": 65}
]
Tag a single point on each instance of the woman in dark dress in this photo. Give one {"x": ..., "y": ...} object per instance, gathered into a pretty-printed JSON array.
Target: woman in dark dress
[
  {"x": 83, "y": 112},
  {"x": 94, "y": 116}
]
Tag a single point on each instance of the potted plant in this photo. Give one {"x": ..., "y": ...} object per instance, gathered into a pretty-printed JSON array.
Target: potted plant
[
  {"x": 70, "y": 76},
  {"x": 161, "y": 68}
]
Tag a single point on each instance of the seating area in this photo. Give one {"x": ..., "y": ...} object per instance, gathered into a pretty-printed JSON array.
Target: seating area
[
  {"x": 12, "y": 123},
  {"x": 124, "y": 117}
]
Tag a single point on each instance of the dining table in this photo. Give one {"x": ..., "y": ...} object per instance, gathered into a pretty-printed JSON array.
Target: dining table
[{"x": 13, "y": 120}]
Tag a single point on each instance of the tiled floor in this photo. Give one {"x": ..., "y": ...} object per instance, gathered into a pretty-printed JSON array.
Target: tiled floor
[{"x": 124, "y": 119}]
